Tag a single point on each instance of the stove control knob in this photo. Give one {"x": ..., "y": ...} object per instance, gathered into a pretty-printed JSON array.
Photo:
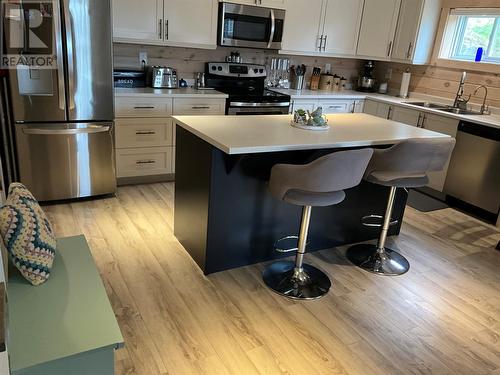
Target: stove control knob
[
  {"x": 219, "y": 68},
  {"x": 256, "y": 70},
  {"x": 214, "y": 67},
  {"x": 261, "y": 70}
]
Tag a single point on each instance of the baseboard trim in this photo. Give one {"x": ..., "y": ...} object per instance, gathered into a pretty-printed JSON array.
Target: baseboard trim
[{"x": 121, "y": 181}]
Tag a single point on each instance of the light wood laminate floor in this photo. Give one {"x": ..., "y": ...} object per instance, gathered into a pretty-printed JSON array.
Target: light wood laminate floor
[{"x": 442, "y": 317}]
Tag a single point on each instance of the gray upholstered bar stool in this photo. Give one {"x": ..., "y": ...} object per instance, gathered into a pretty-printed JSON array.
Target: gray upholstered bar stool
[
  {"x": 404, "y": 165},
  {"x": 319, "y": 183}
]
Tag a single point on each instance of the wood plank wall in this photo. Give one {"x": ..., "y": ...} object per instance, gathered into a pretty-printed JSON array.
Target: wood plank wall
[
  {"x": 188, "y": 61},
  {"x": 443, "y": 82}
]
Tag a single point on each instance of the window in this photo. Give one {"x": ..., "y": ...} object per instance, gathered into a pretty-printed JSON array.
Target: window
[{"x": 468, "y": 30}]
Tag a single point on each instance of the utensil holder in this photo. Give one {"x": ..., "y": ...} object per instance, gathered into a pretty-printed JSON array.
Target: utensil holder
[{"x": 298, "y": 83}]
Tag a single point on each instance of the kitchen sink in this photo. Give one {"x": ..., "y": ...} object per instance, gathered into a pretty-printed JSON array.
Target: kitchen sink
[
  {"x": 459, "y": 111},
  {"x": 428, "y": 105},
  {"x": 445, "y": 108}
]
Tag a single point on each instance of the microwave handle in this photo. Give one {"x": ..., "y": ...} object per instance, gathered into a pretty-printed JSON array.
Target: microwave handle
[{"x": 273, "y": 28}]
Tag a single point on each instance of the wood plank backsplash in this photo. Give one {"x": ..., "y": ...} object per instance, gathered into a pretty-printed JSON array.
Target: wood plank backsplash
[
  {"x": 443, "y": 82},
  {"x": 189, "y": 61}
]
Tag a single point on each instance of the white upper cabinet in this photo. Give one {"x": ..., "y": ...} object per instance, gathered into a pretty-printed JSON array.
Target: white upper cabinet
[
  {"x": 190, "y": 23},
  {"x": 139, "y": 21},
  {"x": 341, "y": 26},
  {"x": 378, "y": 26},
  {"x": 183, "y": 23},
  {"x": 416, "y": 30},
  {"x": 276, "y": 4},
  {"x": 322, "y": 27},
  {"x": 300, "y": 36}
]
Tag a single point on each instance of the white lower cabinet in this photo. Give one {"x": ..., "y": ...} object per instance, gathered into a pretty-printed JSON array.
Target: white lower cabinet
[
  {"x": 407, "y": 116},
  {"x": 134, "y": 162},
  {"x": 306, "y": 105},
  {"x": 145, "y": 132},
  {"x": 378, "y": 109},
  {"x": 329, "y": 105},
  {"x": 445, "y": 125}
]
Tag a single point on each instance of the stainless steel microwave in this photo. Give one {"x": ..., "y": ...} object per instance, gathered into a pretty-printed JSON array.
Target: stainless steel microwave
[{"x": 250, "y": 26}]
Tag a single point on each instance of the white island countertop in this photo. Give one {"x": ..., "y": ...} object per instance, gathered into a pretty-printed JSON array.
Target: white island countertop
[{"x": 257, "y": 134}]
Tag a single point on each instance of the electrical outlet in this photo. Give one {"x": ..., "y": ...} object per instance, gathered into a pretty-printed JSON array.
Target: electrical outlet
[{"x": 143, "y": 58}]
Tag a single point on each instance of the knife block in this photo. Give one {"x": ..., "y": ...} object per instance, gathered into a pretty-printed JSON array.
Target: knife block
[{"x": 314, "y": 85}]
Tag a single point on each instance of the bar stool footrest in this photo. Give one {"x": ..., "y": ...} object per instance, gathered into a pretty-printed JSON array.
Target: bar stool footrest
[
  {"x": 365, "y": 220},
  {"x": 279, "y": 245}
]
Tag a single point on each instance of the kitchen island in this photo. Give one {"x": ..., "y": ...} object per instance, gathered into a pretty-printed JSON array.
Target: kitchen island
[{"x": 224, "y": 215}]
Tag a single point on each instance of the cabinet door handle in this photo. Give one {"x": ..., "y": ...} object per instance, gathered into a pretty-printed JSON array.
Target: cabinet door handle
[
  {"x": 145, "y": 162},
  {"x": 389, "y": 113},
  {"x": 324, "y": 45},
  {"x": 418, "y": 121},
  {"x": 353, "y": 107},
  {"x": 160, "y": 31},
  {"x": 145, "y": 132},
  {"x": 408, "y": 53},
  {"x": 320, "y": 43},
  {"x": 389, "y": 49},
  {"x": 144, "y": 107},
  {"x": 336, "y": 106},
  {"x": 200, "y": 107},
  {"x": 166, "y": 29},
  {"x": 424, "y": 118}
]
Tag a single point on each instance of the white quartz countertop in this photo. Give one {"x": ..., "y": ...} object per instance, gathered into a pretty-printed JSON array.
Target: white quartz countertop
[
  {"x": 492, "y": 120},
  {"x": 181, "y": 92},
  {"x": 256, "y": 134},
  {"x": 319, "y": 94}
]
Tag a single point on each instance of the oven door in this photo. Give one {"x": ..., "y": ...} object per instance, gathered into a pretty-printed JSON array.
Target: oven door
[
  {"x": 258, "y": 109},
  {"x": 250, "y": 26}
]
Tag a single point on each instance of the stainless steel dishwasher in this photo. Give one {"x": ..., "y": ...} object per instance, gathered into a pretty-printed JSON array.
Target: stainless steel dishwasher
[{"x": 474, "y": 171}]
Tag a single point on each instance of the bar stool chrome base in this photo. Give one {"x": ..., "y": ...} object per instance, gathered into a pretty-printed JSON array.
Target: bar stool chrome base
[
  {"x": 305, "y": 283},
  {"x": 369, "y": 258}
]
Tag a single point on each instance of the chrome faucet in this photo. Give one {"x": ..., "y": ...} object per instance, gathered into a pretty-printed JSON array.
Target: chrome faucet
[
  {"x": 460, "y": 100},
  {"x": 484, "y": 107}
]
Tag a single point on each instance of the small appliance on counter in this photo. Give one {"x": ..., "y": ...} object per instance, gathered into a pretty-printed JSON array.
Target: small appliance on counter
[
  {"x": 162, "y": 77},
  {"x": 234, "y": 57},
  {"x": 129, "y": 78},
  {"x": 366, "y": 82}
]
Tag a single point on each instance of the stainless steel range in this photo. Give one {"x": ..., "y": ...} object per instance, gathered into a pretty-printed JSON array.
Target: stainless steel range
[{"x": 244, "y": 83}]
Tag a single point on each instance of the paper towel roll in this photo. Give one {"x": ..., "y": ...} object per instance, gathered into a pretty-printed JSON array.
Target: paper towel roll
[{"x": 405, "y": 84}]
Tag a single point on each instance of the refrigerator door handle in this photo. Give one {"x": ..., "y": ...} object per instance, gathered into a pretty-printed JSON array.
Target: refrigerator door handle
[
  {"x": 59, "y": 57},
  {"x": 88, "y": 130},
  {"x": 71, "y": 55}
]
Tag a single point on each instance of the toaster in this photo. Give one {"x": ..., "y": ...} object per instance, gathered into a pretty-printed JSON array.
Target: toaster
[{"x": 163, "y": 77}]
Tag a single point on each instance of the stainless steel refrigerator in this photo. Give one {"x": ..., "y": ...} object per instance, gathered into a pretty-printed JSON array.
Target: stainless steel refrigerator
[{"x": 63, "y": 117}]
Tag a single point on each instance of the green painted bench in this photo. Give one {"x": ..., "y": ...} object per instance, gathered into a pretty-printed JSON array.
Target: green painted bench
[{"x": 65, "y": 326}]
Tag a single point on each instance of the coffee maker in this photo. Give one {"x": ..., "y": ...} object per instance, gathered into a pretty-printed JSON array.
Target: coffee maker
[{"x": 366, "y": 82}]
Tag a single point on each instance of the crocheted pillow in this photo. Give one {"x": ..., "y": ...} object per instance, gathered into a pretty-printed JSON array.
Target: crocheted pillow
[{"x": 27, "y": 235}]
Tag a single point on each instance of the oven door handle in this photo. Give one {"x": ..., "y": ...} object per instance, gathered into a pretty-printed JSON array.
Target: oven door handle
[
  {"x": 273, "y": 28},
  {"x": 246, "y": 104}
]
